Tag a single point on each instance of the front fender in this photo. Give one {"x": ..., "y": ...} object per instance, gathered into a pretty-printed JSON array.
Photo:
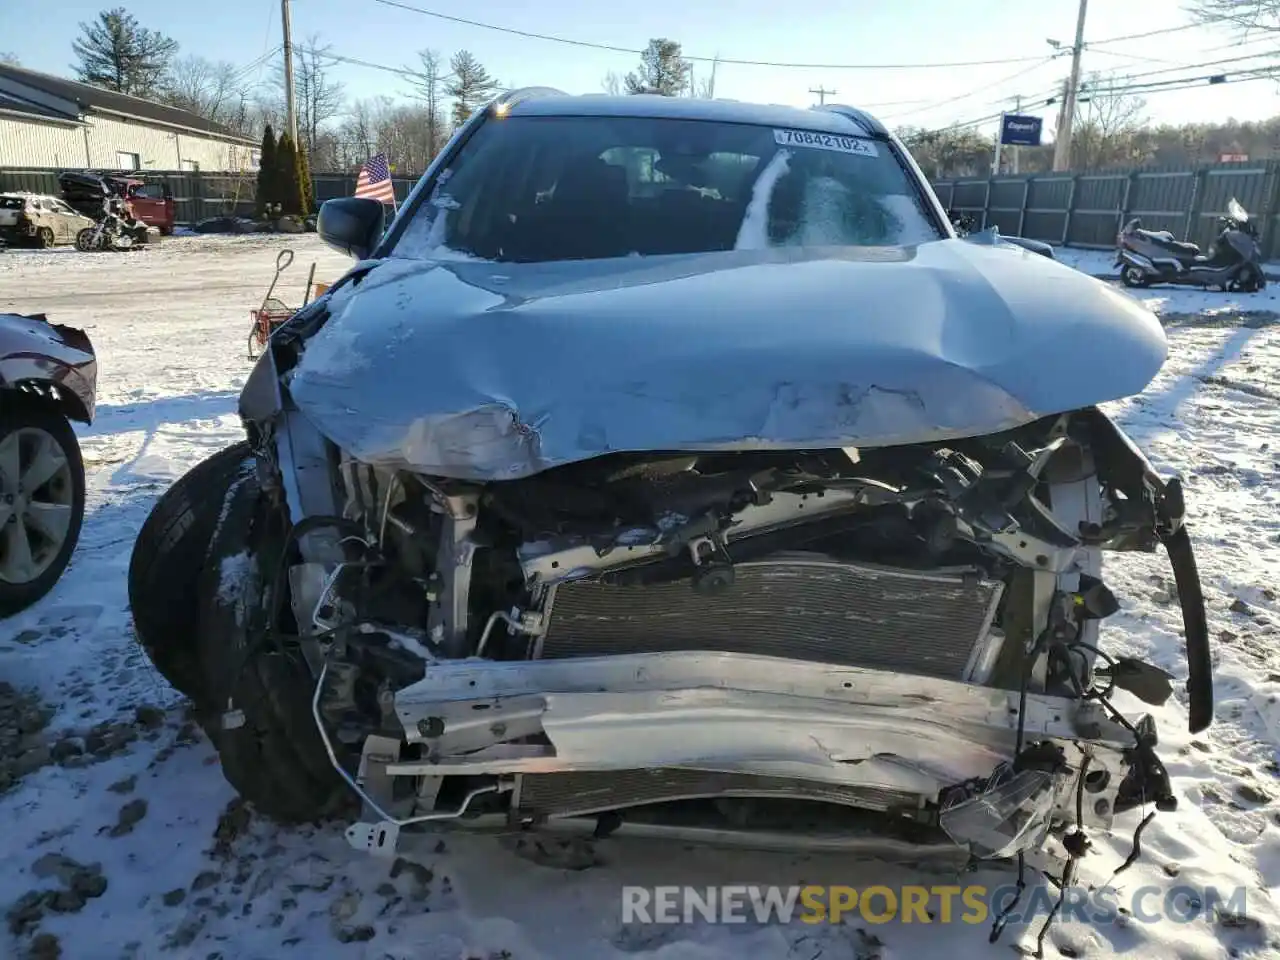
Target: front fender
[{"x": 50, "y": 360}]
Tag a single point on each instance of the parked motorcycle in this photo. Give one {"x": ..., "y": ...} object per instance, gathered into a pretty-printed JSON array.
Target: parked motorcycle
[
  {"x": 117, "y": 230},
  {"x": 1233, "y": 263}
]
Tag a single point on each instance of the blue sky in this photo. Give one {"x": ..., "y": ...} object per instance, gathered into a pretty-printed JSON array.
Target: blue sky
[{"x": 852, "y": 32}]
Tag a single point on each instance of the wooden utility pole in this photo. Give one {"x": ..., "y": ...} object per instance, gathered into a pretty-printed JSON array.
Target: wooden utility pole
[
  {"x": 821, "y": 93},
  {"x": 289, "y": 105},
  {"x": 1062, "y": 145},
  {"x": 1063, "y": 126}
]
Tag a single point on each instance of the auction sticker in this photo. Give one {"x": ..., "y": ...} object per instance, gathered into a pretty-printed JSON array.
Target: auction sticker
[{"x": 826, "y": 141}]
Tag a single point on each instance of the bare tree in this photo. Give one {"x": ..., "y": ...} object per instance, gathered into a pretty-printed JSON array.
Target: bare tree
[
  {"x": 358, "y": 135},
  {"x": 211, "y": 90},
  {"x": 950, "y": 152},
  {"x": 9, "y": 59},
  {"x": 1108, "y": 125},
  {"x": 1249, "y": 14},
  {"x": 428, "y": 80},
  {"x": 382, "y": 125},
  {"x": 612, "y": 84},
  {"x": 404, "y": 136},
  {"x": 317, "y": 96},
  {"x": 267, "y": 109}
]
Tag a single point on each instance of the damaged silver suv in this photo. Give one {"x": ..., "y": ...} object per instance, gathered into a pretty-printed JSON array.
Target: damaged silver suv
[{"x": 671, "y": 467}]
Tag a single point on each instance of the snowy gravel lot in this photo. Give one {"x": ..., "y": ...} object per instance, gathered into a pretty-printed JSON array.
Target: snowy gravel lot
[{"x": 111, "y": 797}]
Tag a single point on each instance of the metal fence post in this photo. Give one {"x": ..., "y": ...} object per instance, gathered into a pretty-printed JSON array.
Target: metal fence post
[
  {"x": 1270, "y": 212},
  {"x": 1022, "y": 210},
  {"x": 986, "y": 203},
  {"x": 1071, "y": 205},
  {"x": 1197, "y": 198},
  {"x": 197, "y": 198},
  {"x": 1126, "y": 202}
]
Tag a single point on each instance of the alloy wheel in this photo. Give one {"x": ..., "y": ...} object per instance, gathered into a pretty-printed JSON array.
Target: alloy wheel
[{"x": 36, "y": 503}]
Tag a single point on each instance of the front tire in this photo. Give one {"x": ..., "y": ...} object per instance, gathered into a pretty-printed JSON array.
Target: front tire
[
  {"x": 272, "y": 755},
  {"x": 84, "y": 240},
  {"x": 1132, "y": 276},
  {"x": 167, "y": 558},
  {"x": 42, "y": 496},
  {"x": 44, "y": 238}
]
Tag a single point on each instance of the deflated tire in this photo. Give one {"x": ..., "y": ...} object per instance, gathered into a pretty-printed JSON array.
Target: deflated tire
[
  {"x": 168, "y": 557},
  {"x": 260, "y": 684}
]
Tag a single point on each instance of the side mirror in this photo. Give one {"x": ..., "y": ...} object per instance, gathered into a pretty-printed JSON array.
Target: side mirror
[{"x": 351, "y": 225}]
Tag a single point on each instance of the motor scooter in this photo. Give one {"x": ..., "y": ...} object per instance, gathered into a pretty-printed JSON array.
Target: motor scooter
[{"x": 1233, "y": 263}]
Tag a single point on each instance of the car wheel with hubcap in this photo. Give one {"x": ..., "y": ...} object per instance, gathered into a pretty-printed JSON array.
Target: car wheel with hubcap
[
  {"x": 44, "y": 238},
  {"x": 42, "y": 497}
]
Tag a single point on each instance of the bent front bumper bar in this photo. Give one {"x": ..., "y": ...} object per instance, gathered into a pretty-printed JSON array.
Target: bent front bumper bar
[
  {"x": 724, "y": 711},
  {"x": 743, "y": 714}
]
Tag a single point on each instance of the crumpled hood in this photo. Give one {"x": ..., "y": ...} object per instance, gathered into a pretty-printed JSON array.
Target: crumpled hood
[{"x": 486, "y": 371}]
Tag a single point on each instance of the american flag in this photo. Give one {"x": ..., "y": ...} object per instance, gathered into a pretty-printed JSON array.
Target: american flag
[{"x": 375, "y": 180}]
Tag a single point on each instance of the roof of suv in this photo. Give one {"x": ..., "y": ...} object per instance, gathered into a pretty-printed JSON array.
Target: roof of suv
[{"x": 830, "y": 119}]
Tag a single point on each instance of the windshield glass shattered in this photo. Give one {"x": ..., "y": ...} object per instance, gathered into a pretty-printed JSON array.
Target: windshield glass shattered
[{"x": 537, "y": 189}]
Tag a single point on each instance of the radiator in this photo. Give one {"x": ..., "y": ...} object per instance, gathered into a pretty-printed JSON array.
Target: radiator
[
  {"x": 929, "y": 624},
  {"x": 821, "y": 610}
]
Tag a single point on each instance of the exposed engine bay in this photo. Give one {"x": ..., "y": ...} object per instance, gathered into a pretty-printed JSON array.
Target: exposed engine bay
[
  {"x": 794, "y": 546},
  {"x": 842, "y": 647}
]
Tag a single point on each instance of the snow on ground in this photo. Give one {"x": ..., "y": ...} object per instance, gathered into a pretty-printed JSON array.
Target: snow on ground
[{"x": 135, "y": 827}]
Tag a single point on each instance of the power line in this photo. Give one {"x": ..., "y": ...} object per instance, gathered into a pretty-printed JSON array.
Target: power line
[
  {"x": 1197, "y": 66},
  {"x": 355, "y": 61},
  {"x": 268, "y": 50},
  {"x": 405, "y": 72},
  {"x": 1116, "y": 86},
  {"x": 1142, "y": 36},
  {"x": 892, "y": 103},
  {"x": 974, "y": 92},
  {"x": 1186, "y": 83},
  {"x": 610, "y": 48},
  {"x": 248, "y": 68}
]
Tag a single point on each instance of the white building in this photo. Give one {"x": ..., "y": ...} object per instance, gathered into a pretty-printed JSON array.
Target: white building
[{"x": 46, "y": 121}]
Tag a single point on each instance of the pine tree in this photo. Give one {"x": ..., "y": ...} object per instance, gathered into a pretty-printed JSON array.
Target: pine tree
[
  {"x": 117, "y": 54},
  {"x": 470, "y": 87},
  {"x": 268, "y": 191},
  {"x": 662, "y": 70},
  {"x": 304, "y": 181},
  {"x": 290, "y": 191}
]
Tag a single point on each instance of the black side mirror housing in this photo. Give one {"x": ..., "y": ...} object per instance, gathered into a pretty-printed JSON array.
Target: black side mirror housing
[{"x": 351, "y": 225}]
